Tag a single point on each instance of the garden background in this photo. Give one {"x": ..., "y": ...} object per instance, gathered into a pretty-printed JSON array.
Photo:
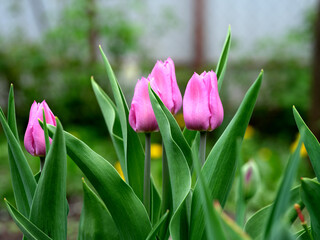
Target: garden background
[{"x": 49, "y": 50}]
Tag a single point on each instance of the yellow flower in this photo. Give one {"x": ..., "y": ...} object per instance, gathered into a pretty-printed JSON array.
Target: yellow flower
[
  {"x": 117, "y": 166},
  {"x": 249, "y": 132},
  {"x": 156, "y": 150},
  {"x": 294, "y": 145}
]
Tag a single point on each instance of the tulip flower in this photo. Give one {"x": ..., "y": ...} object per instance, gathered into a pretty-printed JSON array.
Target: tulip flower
[
  {"x": 141, "y": 115},
  {"x": 34, "y": 140},
  {"x": 166, "y": 84},
  {"x": 202, "y": 107}
]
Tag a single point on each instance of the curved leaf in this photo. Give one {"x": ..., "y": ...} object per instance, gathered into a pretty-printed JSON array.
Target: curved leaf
[
  {"x": 283, "y": 195},
  {"x": 179, "y": 172},
  {"x": 219, "y": 168},
  {"x": 126, "y": 209},
  {"x": 20, "y": 196},
  {"x": 49, "y": 206},
  {"x": 25, "y": 184},
  {"x": 311, "y": 143},
  {"x": 133, "y": 151},
  {"x": 310, "y": 194},
  {"x": 96, "y": 222},
  {"x": 31, "y": 231}
]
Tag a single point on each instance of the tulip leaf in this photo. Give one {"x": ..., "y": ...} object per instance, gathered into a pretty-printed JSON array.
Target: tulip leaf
[
  {"x": 310, "y": 194},
  {"x": 125, "y": 207},
  {"x": 155, "y": 229},
  {"x": 222, "y": 63},
  {"x": 179, "y": 171},
  {"x": 219, "y": 168},
  {"x": 133, "y": 151},
  {"x": 24, "y": 182},
  {"x": 212, "y": 221},
  {"x": 189, "y": 135},
  {"x": 49, "y": 206},
  {"x": 256, "y": 223},
  {"x": 111, "y": 118},
  {"x": 45, "y": 130},
  {"x": 283, "y": 196},
  {"x": 155, "y": 203},
  {"x": 96, "y": 222},
  {"x": 21, "y": 199},
  {"x": 31, "y": 231},
  {"x": 311, "y": 143}
]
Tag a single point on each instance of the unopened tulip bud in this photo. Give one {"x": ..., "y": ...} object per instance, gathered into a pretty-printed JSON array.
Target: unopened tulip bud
[
  {"x": 202, "y": 107},
  {"x": 141, "y": 115},
  {"x": 251, "y": 179},
  {"x": 166, "y": 85},
  {"x": 34, "y": 141}
]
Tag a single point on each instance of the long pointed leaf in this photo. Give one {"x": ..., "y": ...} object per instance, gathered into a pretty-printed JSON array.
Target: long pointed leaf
[
  {"x": 23, "y": 175},
  {"x": 311, "y": 143},
  {"x": 96, "y": 222},
  {"x": 152, "y": 235},
  {"x": 126, "y": 209},
  {"x": 48, "y": 210},
  {"x": 219, "y": 168},
  {"x": 222, "y": 63},
  {"x": 111, "y": 118},
  {"x": 179, "y": 172},
  {"x": 134, "y": 154},
  {"x": 283, "y": 195},
  {"x": 20, "y": 196},
  {"x": 31, "y": 231}
]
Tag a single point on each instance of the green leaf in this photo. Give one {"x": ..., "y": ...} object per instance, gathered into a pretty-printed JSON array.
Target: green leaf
[
  {"x": 256, "y": 223},
  {"x": 46, "y": 135},
  {"x": 219, "y": 168},
  {"x": 311, "y": 143},
  {"x": 213, "y": 225},
  {"x": 152, "y": 235},
  {"x": 283, "y": 195},
  {"x": 124, "y": 206},
  {"x": 231, "y": 229},
  {"x": 134, "y": 154},
  {"x": 31, "y": 231},
  {"x": 222, "y": 63},
  {"x": 310, "y": 194},
  {"x": 21, "y": 199},
  {"x": 155, "y": 203},
  {"x": 49, "y": 206},
  {"x": 96, "y": 222},
  {"x": 179, "y": 172},
  {"x": 111, "y": 118},
  {"x": 24, "y": 183},
  {"x": 240, "y": 202}
]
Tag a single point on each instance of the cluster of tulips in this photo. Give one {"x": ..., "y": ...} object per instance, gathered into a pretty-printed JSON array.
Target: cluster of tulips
[{"x": 195, "y": 187}]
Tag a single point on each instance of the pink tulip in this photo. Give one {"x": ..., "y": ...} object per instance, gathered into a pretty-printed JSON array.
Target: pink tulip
[
  {"x": 202, "y": 107},
  {"x": 141, "y": 115},
  {"x": 34, "y": 140},
  {"x": 165, "y": 80}
]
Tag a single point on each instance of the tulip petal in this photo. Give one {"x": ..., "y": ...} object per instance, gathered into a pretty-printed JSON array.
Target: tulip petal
[
  {"x": 176, "y": 94},
  {"x": 196, "y": 110},
  {"x": 141, "y": 116}
]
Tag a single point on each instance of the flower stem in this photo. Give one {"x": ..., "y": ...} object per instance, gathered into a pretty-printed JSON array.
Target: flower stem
[
  {"x": 42, "y": 159},
  {"x": 146, "y": 186},
  {"x": 202, "y": 148}
]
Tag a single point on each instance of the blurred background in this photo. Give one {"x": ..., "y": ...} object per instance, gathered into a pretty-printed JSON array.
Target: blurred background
[{"x": 49, "y": 50}]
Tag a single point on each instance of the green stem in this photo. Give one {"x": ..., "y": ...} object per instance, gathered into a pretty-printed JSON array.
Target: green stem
[
  {"x": 146, "y": 186},
  {"x": 42, "y": 159},
  {"x": 202, "y": 148},
  {"x": 166, "y": 193},
  {"x": 305, "y": 226}
]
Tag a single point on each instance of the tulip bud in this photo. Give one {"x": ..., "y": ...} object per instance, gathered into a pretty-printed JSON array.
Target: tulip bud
[
  {"x": 141, "y": 115},
  {"x": 34, "y": 140},
  {"x": 166, "y": 85},
  {"x": 202, "y": 107},
  {"x": 251, "y": 179}
]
